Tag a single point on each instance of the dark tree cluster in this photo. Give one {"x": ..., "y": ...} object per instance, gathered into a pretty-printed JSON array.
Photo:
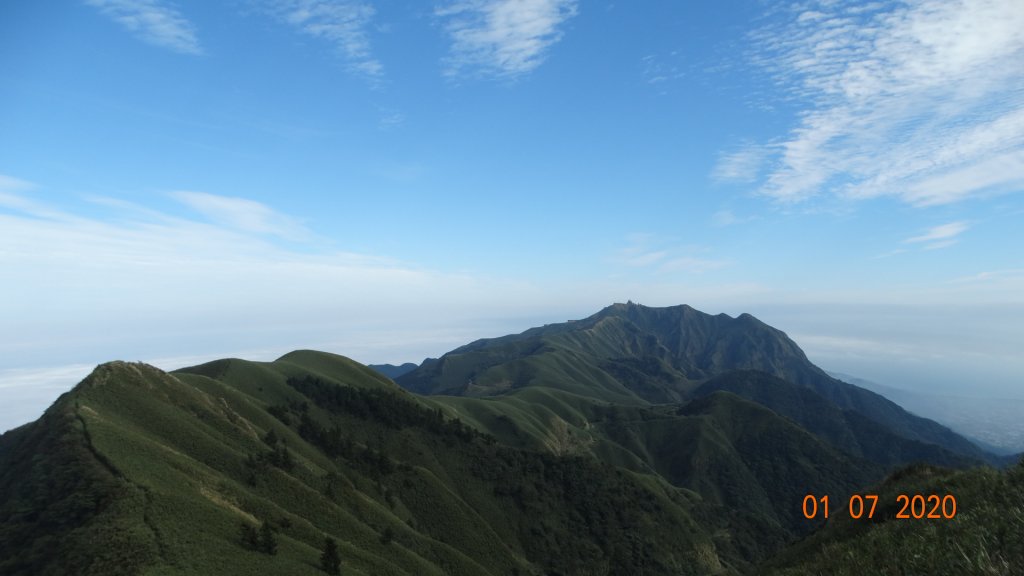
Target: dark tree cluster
[
  {"x": 260, "y": 540},
  {"x": 279, "y": 456},
  {"x": 330, "y": 560},
  {"x": 381, "y": 406},
  {"x": 281, "y": 413},
  {"x": 574, "y": 522},
  {"x": 573, "y": 515},
  {"x": 331, "y": 440}
]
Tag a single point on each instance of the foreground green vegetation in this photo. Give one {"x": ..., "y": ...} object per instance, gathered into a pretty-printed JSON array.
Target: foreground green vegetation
[
  {"x": 986, "y": 537},
  {"x": 160, "y": 471},
  {"x": 623, "y": 444}
]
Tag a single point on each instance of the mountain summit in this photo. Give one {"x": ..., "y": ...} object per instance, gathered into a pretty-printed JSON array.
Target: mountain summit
[
  {"x": 653, "y": 354},
  {"x": 640, "y": 355}
]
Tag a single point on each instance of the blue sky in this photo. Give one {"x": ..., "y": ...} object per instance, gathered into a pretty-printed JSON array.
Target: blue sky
[{"x": 387, "y": 180}]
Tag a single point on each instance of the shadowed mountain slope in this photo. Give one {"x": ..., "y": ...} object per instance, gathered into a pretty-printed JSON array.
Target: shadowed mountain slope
[
  {"x": 392, "y": 371},
  {"x": 630, "y": 354},
  {"x": 140, "y": 471},
  {"x": 847, "y": 430}
]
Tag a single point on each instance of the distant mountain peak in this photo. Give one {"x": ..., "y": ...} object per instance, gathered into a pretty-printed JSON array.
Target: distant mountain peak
[
  {"x": 123, "y": 372},
  {"x": 636, "y": 354}
]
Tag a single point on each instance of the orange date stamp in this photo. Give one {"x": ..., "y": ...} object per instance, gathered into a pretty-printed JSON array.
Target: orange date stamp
[{"x": 912, "y": 506}]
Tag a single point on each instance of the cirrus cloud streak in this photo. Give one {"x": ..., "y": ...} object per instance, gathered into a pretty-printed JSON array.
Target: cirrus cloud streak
[
  {"x": 504, "y": 38},
  {"x": 152, "y": 21},
  {"x": 919, "y": 100},
  {"x": 343, "y": 23}
]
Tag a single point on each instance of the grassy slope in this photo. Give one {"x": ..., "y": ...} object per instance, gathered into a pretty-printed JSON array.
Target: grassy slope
[
  {"x": 162, "y": 465},
  {"x": 847, "y": 430},
  {"x": 786, "y": 461},
  {"x": 984, "y": 538},
  {"x": 746, "y": 460},
  {"x": 732, "y": 452},
  {"x": 57, "y": 497},
  {"x": 154, "y": 473}
]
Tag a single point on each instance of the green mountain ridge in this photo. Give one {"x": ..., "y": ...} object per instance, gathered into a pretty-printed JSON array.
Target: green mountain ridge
[
  {"x": 161, "y": 469},
  {"x": 612, "y": 445},
  {"x": 631, "y": 354}
]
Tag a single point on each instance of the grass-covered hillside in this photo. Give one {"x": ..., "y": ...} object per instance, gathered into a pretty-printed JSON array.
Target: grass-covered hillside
[
  {"x": 207, "y": 470},
  {"x": 629, "y": 354},
  {"x": 637, "y": 441},
  {"x": 985, "y": 537}
]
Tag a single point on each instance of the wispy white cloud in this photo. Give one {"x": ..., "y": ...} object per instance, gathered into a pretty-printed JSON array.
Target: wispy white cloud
[
  {"x": 889, "y": 254},
  {"x": 829, "y": 346},
  {"x": 243, "y": 215},
  {"x": 692, "y": 264},
  {"x": 12, "y": 184},
  {"x": 343, "y": 23},
  {"x": 729, "y": 218},
  {"x": 504, "y": 38},
  {"x": 153, "y": 21},
  {"x": 133, "y": 282},
  {"x": 62, "y": 377},
  {"x": 939, "y": 236},
  {"x": 1003, "y": 173},
  {"x": 638, "y": 257},
  {"x": 647, "y": 251},
  {"x": 10, "y": 192},
  {"x": 390, "y": 118},
  {"x": 991, "y": 276},
  {"x": 919, "y": 100},
  {"x": 742, "y": 165},
  {"x": 659, "y": 69},
  {"x": 14, "y": 197},
  {"x": 638, "y": 252}
]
